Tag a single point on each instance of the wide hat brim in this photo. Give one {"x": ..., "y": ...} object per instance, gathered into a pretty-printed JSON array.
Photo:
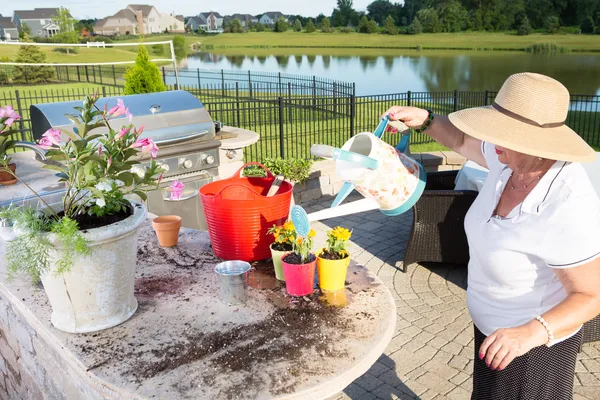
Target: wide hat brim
[{"x": 490, "y": 125}]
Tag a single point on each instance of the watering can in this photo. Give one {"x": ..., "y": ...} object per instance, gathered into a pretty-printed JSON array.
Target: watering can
[{"x": 389, "y": 180}]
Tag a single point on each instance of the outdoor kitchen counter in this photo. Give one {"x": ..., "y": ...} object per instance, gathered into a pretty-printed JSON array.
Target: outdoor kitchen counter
[{"x": 184, "y": 343}]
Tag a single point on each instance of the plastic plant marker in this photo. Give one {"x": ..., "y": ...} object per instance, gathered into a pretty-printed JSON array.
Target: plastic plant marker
[{"x": 300, "y": 220}]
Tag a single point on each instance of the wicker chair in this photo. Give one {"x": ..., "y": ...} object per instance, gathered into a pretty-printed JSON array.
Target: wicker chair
[{"x": 438, "y": 233}]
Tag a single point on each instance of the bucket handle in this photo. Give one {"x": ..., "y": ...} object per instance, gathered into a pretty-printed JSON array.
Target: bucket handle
[
  {"x": 404, "y": 140},
  {"x": 238, "y": 174}
]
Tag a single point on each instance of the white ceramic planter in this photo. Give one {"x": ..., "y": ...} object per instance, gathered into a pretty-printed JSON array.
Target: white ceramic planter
[{"x": 97, "y": 293}]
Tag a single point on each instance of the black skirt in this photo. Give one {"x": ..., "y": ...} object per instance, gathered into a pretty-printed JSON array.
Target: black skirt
[{"x": 545, "y": 373}]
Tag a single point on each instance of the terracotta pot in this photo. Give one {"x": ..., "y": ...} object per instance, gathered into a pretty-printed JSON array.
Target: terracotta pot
[
  {"x": 167, "y": 229},
  {"x": 6, "y": 178}
]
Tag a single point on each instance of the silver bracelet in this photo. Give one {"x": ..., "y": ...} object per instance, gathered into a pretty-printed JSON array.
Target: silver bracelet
[{"x": 548, "y": 330}]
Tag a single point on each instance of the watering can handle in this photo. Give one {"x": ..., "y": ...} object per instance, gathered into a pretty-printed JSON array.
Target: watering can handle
[
  {"x": 402, "y": 145},
  {"x": 324, "y": 151}
]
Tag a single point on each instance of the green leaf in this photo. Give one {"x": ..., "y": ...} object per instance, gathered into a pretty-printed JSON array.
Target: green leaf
[
  {"x": 126, "y": 177},
  {"x": 142, "y": 195},
  {"x": 70, "y": 134},
  {"x": 55, "y": 167}
]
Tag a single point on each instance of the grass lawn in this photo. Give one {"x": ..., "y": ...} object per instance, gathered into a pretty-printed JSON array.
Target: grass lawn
[{"x": 465, "y": 40}]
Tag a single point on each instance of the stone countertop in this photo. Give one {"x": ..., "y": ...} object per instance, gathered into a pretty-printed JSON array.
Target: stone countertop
[
  {"x": 184, "y": 343},
  {"x": 243, "y": 138}
]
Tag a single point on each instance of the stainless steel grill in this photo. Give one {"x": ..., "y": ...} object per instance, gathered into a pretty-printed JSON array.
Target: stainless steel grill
[{"x": 182, "y": 128}]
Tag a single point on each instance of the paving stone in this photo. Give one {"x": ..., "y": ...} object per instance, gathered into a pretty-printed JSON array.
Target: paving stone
[
  {"x": 467, "y": 353},
  {"x": 459, "y": 378},
  {"x": 442, "y": 370},
  {"x": 428, "y": 395},
  {"x": 368, "y": 396},
  {"x": 422, "y": 323},
  {"x": 459, "y": 393},
  {"x": 468, "y": 384},
  {"x": 387, "y": 392},
  {"x": 413, "y": 346},
  {"x": 411, "y": 317},
  {"x": 426, "y": 353},
  {"x": 434, "y": 328},
  {"x": 354, "y": 391},
  {"x": 397, "y": 342},
  {"x": 436, "y": 383},
  {"x": 442, "y": 357},
  {"x": 415, "y": 387},
  {"x": 453, "y": 348},
  {"x": 588, "y": 379},
  {"x": 392, "y": 378},
  {"x": 437, "y": 342},
  {"x": 591, "y": 365},
  {"x": 415, "y": 373},
  {"x": 459, "y": 362},
  {"x": 378, "y": 369},
  {"x": 412, "y": 331},
  {"x": 368, "y": 382}
]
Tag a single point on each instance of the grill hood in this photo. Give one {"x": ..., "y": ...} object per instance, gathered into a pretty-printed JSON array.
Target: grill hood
[{"x": 168, "y": 117}]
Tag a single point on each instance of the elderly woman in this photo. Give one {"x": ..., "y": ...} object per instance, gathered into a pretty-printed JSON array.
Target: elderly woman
[{"x": 533, "y": 233}]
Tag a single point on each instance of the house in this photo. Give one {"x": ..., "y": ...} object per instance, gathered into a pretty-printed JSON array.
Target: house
[
  {"x": 245, "y": 19},
  {"x": 148, "y": 18},
  {"x": 197, "y": 23},
  {"x": 39, "y": 20},
  {"x": 124, "y": 22},
  {"x": 214, "y": 21},
  {"x": 8, "y": 30},
  {"x": 172, "y": 23},
  {"x": 269, "y": 18}
]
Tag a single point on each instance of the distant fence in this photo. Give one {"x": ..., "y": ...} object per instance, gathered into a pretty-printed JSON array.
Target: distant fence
[{"x": 289, "y": 124}]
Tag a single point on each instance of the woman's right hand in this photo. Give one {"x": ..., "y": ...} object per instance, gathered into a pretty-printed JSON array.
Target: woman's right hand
[{"x": 413, "y": 117}]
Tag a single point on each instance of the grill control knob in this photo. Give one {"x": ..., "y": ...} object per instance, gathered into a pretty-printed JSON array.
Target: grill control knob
[
  {"x": 187, "y": 164},
  {"x": 163, "y": 166},
  {"x": 208, "y": 159}
]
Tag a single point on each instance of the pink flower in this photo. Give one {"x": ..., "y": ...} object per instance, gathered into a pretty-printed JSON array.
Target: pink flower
[
  {"x": 139, "y": 131},
  {"x": 160, "y": 178},
  {"x": 176, "y": 188},
  {"x": 109, "y": 162},
  {"x": 100, "y": 151},
  {"x": 7, "y": 117},
  {"x": 147, "y": 145},
  {"x": 123, "y": 132},
  {"x": 50, "y": 138},
  {"x": 119, "y": 109}
]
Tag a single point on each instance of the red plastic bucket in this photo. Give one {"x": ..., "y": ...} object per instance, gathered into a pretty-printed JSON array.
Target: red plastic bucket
[
  {"x": 299, "y": 278},
  {"x": 238, "y": 214}
]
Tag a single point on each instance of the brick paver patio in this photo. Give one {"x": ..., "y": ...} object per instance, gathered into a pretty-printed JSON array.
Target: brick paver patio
[{"x": 431, "y": 354}]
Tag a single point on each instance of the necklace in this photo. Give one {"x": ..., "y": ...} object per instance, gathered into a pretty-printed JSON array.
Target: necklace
[{"x": 513, "y": 187}]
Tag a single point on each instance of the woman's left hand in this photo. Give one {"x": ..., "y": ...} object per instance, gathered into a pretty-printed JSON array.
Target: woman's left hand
[{"x": 504, "y": 345}]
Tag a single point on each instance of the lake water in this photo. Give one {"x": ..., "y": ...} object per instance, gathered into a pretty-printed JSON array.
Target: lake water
[{"x": 380, "y": 72}]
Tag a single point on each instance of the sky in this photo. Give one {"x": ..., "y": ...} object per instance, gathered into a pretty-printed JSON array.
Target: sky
[{"x": 81, "y": 9}]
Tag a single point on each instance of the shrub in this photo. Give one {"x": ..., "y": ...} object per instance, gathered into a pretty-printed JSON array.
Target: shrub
[
  {"x": 31, "y": 74},
  {"x": 326, "y": 25},
  {"x": 259, "y": 27},
  {"x": 144, "y": 76},
  {"x": 415, "y": 27},
  {"x": 429, "y": 20},
  {"x": 347, "y": 29},
  {"x": 546, "y": 48},
  {"x": 157, "y": 49},
  {"x": 552, "y": 24},
  {"x": 524, "y": 27},
  {"x": 6, "y": 71},
  {"x": 298, "y": 26},
  {"x": 294, "y": 169},
  {"x": 101, "y": 39},
  {"x": 310, "y": 27},
  {"x": 281, "y": 25},
  {"x": 588, "y": 25},
  {"x": 390, "y": 27},
  {"x": 367, "y": 26},
  {"x": 67, "y": 37}
]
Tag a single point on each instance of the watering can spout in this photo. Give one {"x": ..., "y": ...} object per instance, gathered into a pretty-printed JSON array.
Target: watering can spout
[{"x": 354, "y": 207}]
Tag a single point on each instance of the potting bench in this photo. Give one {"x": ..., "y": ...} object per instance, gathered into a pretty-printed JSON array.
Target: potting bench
[{"x": 184, "y": 343}]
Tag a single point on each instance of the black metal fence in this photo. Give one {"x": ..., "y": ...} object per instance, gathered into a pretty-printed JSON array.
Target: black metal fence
[{"x": 289, "y": 124}]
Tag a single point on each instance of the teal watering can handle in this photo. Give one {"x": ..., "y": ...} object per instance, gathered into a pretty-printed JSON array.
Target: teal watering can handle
[
  {"x": 404, "y": 140},
  {"x": 324, "y": 151}
]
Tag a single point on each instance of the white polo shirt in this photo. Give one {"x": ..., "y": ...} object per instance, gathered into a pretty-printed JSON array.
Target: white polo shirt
[{"x": 510, "y": 277}]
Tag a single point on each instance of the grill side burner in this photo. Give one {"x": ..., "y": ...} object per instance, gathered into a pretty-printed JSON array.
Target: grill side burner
[{"x": 182, "y": 128}]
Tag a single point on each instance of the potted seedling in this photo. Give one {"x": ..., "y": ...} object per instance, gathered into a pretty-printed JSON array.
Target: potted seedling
[
  {"x": 333, "y": 260},
  {"x": 85, "y": 252},
  {"x": 7, "y": 169},
  {"x": 285, "y": 236},
  {"x": 299, "y": 265}
]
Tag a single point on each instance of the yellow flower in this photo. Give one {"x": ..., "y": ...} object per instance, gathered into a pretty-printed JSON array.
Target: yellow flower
[
  {"x": 276, "y": 235},
  {"x": 312, "y": 233},
  {"x": 341, "y": 233},
  {"x": 289, "y": 226},
  {"x": 299, "y": 240}
]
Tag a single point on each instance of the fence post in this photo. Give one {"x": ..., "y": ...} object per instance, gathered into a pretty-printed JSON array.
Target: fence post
[
  {"x": 94, "y": 72},
  {"x": 455, "y": 101},
  {"x": 223, "y": 83},
  {"x": 198, "y": 75},
  {"x": 408, "y": 98},
  {"x": 280, "y": 88},
  {"x": 352, "y": 113},
  {"x": 57, "y": 70},
  {"x": 114, "y": 75},
  {"x": 237, "y": 103},
  {"x": 249, "y": 83},
  {"x": 87, "y": 75},
  {"x": 78, "y": 75},
  {"x": 314, "y": 90},
  {"x": 103, "y": 91},
  {"x": 335, "y": 102},
  {"x": 164, "y": 74},
  {"x": 291, "y": 115},
  {"x": 487, "y": 94},
  {"x": 281, "y": 133},
  {"x": 100, "y": 73},
  {"x": 20, "y": 110},
  {"x": 67, "y": 70}
]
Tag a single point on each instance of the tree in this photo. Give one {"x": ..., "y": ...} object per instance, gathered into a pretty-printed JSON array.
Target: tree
[
  {"x": 453, "y": 16},
  {"x": 310, "y": 27},
  {"x": 64, "y": 20},
  {"x": 234, "y": 26},
  {"x": 325, "y": 25},
  {"x": 346, "y": 11},
  {"x": 179, "y": 46},
  {"x": 259, "y": 27},
  {"x": 367, "y": 26},
  {"x": 524, "y": 28},
  {"x": 24, "y": 31},
  {"x": 32, "y": 74},
  {"x": 588, "y": 25},
  {"x": 415, "y": 27},
  {"x": 71, "y": 37},
  {"x": 552, "y": 24},
  {"x": 281, "y": 25},
  {"x": 379, "y": 10},
  {"x": 429, "y": 20},
  {"x": 390, "y": 26},
  {"x": 144, "y": 76},
  {"x": 298, "y": 26}
]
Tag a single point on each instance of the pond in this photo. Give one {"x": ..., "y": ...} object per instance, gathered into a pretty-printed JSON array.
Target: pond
[{"x": 384, "y": 71}]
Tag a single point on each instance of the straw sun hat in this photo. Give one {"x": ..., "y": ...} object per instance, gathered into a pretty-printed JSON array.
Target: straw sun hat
[{"x": 528, "y": 116}]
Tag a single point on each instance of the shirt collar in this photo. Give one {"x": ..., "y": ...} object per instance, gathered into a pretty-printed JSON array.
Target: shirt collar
[{"x": 540, "y": 193}]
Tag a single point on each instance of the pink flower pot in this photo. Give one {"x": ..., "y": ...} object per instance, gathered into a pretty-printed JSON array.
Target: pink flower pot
[{"x": 299, "y": 278}]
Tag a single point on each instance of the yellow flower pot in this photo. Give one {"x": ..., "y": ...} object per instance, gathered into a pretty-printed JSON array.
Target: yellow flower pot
[{"x": 332, "y": 273}]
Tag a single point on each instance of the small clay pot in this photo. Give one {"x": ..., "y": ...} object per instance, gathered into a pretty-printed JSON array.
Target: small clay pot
[
  {"x": 6, "y": 178},
  {"x": 167, "y": 229}
]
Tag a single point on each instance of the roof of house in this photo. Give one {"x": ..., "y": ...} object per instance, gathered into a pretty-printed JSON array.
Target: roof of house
[
  {"x": 180, "y": 17},
  {"x": 207, "y": 14},
  {"x": 121, "y": 14},
  {"x": 274, "y": 14},
  {"x": 6, "y": 23},
  {"x": 242, "y": 17},
  {"x": 200, "y": 20},
  {"x": 144, "y": 8},
  {"x": 37, "y": 13}
]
